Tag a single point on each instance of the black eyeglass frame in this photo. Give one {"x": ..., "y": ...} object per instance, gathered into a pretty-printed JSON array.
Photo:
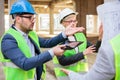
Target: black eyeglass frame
[
  {"x": 26, "y": 16},
  {"x": 29, "y": 17}
]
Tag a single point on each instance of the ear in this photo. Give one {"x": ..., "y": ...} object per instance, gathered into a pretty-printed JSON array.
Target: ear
[
  {"x": 18, "y": 19},
  {"x": 64, "y": 24}
]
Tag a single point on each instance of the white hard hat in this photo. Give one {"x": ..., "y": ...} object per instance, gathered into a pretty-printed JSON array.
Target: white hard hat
[{"x": 65, "y": 12}]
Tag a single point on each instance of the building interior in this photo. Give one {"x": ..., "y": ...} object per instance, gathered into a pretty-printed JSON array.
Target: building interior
[
  {"x": 48, "y": 10},
  {"x": 47, "y": 22}
]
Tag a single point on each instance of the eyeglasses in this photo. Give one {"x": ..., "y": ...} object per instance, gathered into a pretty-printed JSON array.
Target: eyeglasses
[
  {"x": 74, "y": 21},
  {"x": 31, "y": 18}
]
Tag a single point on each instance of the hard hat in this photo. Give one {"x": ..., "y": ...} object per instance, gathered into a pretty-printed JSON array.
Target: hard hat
[
  {"x": 22, "y": 6},
  {"x": 65, "y": 12}
]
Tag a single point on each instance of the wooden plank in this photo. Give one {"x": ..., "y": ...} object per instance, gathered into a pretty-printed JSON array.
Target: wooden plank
[
  {"x": 81, "y": 8},
  {"x": 91, "y": 7},
  {"x": 98, "y": 2}
]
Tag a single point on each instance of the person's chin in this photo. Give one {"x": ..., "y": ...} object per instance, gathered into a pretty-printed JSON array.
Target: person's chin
[{"x": 31, "y": 29}]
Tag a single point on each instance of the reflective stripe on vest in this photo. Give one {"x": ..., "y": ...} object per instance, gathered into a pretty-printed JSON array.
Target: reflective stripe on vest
[
  {"x": 14, "y": 73},
  {"x": 80, "y": 66},
  {"x": 77, "y": 67},
  {"x": 9, "y": 64},
  {"x": 116, "y": 48}
]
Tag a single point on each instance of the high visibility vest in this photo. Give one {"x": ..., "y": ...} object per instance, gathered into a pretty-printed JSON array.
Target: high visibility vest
[
  {"x": 80, "y": 66},
  {"x": 116, "y": 48},
  {"x": 12, "y": 72}
]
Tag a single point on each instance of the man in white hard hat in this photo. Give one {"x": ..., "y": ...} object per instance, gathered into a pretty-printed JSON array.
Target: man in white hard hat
[
  {"x": 72, "y": 59},
  {"x": 107, "y": 64}
]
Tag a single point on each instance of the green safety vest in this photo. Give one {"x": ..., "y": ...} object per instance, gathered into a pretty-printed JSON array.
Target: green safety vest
[
  {"x": 116, "y": 48},
  {"x": 80, "y": 66},
  {"x": 12, "y": 72}
]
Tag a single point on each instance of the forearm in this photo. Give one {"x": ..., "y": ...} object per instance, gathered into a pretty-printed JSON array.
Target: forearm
[
  {"x": 75, "y": 76},
  {"x": 48, "y": 43},
  {"x": 70, "y": 60},
  {"x": 33, "y": 62},
  {"x": 25, "y": 63}
]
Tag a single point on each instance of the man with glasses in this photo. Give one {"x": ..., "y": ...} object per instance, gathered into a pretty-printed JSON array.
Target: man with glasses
[
  {"x": 74, "y": 59},
  {"x": 107, "y": 64},
  {"x": 20, "y": 45}
]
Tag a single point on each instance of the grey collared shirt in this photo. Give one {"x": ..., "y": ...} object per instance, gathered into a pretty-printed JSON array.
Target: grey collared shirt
[{"x": 30, "y": 44}]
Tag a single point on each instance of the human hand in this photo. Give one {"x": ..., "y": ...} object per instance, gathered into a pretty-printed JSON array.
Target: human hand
[
  {"x": 72, "y": 30},
  {"x": 89, "y": 50},
  {"x": 65, "y": 71},
  {"x": 57, "y": 50}
]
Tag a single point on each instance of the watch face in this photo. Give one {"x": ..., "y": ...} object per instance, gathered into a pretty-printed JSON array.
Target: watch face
[{"x": 72, "y": 45}]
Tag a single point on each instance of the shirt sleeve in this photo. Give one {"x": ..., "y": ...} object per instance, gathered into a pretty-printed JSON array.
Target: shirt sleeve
[
  {"x": 63, "y": 34},
  {"x": 63, "y": 60},
  {"x": 51, "y": 52},
  {"x": 75, "y": 76}
]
